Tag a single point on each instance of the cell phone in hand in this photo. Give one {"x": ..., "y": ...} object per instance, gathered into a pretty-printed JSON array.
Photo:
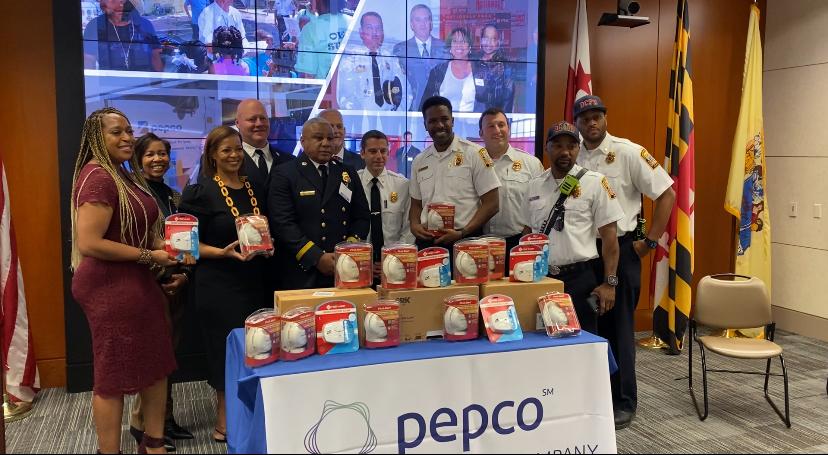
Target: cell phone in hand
[{"x": 594, "y": 302}]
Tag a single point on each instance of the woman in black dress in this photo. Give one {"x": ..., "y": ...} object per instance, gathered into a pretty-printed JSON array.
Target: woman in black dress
[
  {"x": 228, "y": 286},
  {"x": 154, "y": 155}
]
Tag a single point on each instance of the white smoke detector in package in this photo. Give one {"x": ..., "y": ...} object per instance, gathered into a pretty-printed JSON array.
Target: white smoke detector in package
[
  {"x": 558, "y": 314},
  {"x": 336, "y": 327},
  {"x": 500, "y": 318},
  {"x": 460, "y": 317},
  {"x": 381, "y": 324},
  {"x": 399, "y": 266},
  {"x": 298, "y": 333},
  {"x": 262, "y": 337}
]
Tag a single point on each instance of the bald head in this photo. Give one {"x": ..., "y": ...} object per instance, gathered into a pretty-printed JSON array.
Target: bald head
[
  {"x": 253, "y": 123},
  {"x": 335, "y": 119},
  {"x": 317, "y": 140}
]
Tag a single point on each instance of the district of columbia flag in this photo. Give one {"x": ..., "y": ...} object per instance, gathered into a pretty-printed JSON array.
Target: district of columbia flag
[{"x": 579, "y": 80}]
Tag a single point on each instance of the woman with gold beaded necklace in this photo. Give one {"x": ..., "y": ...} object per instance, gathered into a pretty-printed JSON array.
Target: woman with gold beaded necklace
[
  {"x": 116, "y": 250},
  {"x": 228, "y": 286}
]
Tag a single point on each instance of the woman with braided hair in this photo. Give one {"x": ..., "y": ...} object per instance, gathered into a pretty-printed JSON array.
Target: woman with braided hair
[{"x": 116, "y": 251}]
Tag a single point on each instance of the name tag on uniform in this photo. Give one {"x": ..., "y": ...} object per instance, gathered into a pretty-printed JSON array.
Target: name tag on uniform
[
  {"x": 307, "y": 193},
  {"x": 345, "y": 192},
  {"x": 534, "y": 198},
  {"x": 479, "y": 82}
]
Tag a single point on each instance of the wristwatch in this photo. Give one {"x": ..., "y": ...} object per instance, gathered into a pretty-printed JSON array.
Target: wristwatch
[
  {"x": 612, "y": 280},
  {"x": 651, "y": 244}
]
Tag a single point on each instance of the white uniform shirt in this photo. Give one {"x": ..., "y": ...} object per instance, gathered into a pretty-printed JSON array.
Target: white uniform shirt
[
  {"x": 395, "y": 204},
  {"x": 595, "y": 206},
  {"x": 214, "y": 17},
  {"x": 355, "y": 86},
  {"x": 251, "y": 152},
  {"x": 459, "y": 176},
  {"x": 631, "y": 171},
  {"x": 514, "y": 169}
]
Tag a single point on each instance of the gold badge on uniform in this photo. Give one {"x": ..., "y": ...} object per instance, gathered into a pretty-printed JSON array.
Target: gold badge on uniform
[
  {"x": 458, "y": 159},
  {"x": 607, "y": 188},
  {"x": 576, "y": 192},
  {"x": 517, "y": 166},
  {"x": 346, "y": 178},
  {"x": 610, "y": 157},
  {"x": 393, "y": 196},
  {"x": 649, "y": 159},
  {"x": 487, "y": 160}
]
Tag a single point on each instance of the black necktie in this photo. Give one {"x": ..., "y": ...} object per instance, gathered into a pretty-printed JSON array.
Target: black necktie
[
  {"x": 425, "y": 50},
  {"x": 376, "y": 73},
  {"x": 376, "y": 220},
  {"x": 323, "y": 169},
  {"x": 262, "y": 164}
]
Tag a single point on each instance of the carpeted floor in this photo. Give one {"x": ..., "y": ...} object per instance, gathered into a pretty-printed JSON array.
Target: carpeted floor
[{"x": 740, "y": 420}]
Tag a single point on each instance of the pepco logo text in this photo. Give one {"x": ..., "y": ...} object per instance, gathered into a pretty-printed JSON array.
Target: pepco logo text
[{"x": 446, "y": 418}]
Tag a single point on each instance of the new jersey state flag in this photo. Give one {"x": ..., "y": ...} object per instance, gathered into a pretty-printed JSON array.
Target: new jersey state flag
[{"x": 746, "y": 197}]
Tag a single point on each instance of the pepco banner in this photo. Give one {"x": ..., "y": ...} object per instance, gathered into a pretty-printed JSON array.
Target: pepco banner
[{"x": 551, "y": 400}]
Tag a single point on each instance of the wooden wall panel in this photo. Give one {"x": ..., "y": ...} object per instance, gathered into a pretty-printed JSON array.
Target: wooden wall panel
[
  {"x": 631, "y": 71},
  {"x": 29, "y": 151}
]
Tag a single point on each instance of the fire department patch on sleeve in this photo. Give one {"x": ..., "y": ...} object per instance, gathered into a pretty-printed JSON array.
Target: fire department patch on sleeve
[
  {"x": 487, "y": 160},
  {"x": 645, "y": 155},
  {"x": 607, "y": 188}
]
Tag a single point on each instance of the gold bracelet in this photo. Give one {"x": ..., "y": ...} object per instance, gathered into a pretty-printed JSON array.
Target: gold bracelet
[{"x": 145, "y": 256}]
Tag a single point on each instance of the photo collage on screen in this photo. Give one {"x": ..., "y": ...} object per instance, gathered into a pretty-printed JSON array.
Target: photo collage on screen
[{"x": 179, "y": 68}]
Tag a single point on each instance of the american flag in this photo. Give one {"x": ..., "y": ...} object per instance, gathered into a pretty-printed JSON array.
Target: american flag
[{"x": 22, "y": 380}]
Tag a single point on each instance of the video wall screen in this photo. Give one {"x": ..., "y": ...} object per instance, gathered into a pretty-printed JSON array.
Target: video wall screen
[{"x": 179, "y": 68}]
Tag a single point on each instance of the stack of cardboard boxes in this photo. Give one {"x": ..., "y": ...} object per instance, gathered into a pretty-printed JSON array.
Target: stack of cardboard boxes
[{"x": 421, "y": 309}]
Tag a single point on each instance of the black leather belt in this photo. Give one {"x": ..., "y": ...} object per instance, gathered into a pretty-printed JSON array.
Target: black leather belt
[{"x": 557, "y": 270}]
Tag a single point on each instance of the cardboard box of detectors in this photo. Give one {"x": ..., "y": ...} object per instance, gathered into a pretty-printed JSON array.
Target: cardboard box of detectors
[
  {"x": 421, "y": 309},
  {"x": 287, "y": 300},
  {"x": 525, "y": 296}
]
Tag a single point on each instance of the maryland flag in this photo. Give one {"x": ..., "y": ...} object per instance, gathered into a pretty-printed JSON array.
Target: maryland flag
[
  {"x": 746, "y": 198},
  {"x": 671, "y": 285}
]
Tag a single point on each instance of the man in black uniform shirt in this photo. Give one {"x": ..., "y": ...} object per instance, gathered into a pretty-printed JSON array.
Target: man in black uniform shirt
[{"x": 314, "y": 203}]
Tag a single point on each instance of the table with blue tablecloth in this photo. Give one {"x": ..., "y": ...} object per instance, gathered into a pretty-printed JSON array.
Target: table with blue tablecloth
[{"x": 537, "y": 395}]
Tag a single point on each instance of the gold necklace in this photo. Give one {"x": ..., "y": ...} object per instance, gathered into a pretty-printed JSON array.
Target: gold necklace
[{"x": 229, "y": 201}]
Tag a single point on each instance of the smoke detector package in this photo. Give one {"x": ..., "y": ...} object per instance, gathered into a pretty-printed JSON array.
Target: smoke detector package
[
  {"x": 298, "y": 334},
  {"x": 382, "y": 324},
  {"x": 439, "y": 215},
  {"x": 181, "y": 236},
  {"x": 261, "y": 337},
  {"x": 559, "y": 315},
  {"x": 497, "y": 257},
  {"x": 433, "y": 268},
  {"x": 460, "y": 317},
  {"x": 500, "y": 318},
  {"x": 254, "y": 235},
  {"x": 399, "y": 266},
  {"x": 526, "y": 264},
  {"x": 336, "y": 327},
  {"x": 541, "y": 240},
  {"x": 354, "y": 265},
  {"x": 471, "y": 262}
]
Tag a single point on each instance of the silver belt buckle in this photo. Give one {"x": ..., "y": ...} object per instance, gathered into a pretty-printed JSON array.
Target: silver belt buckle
[{"x": 554, "y": 270}]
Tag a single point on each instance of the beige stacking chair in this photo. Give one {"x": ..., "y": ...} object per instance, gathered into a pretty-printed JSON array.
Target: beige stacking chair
[{"x": 729, "y": 301}]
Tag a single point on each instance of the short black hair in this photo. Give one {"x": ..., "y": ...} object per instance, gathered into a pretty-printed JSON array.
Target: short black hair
[
  {"x": 490, "y": 111},
  {"x": 143, "y": 143},
  {"x": 372, "y": 134},
  {"x": 369, "y": 13},
  {"x": 436, "y": 101},
  {"x": 227, "y": 42},
  {"x": 489, "y": 25}
]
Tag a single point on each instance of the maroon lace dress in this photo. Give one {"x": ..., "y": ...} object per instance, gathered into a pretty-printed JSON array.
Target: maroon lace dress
[{"x": 123, "y": 303}]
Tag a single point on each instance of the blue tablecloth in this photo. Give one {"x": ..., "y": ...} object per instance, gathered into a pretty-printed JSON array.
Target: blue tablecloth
[{"x": 245, "y": 411}]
